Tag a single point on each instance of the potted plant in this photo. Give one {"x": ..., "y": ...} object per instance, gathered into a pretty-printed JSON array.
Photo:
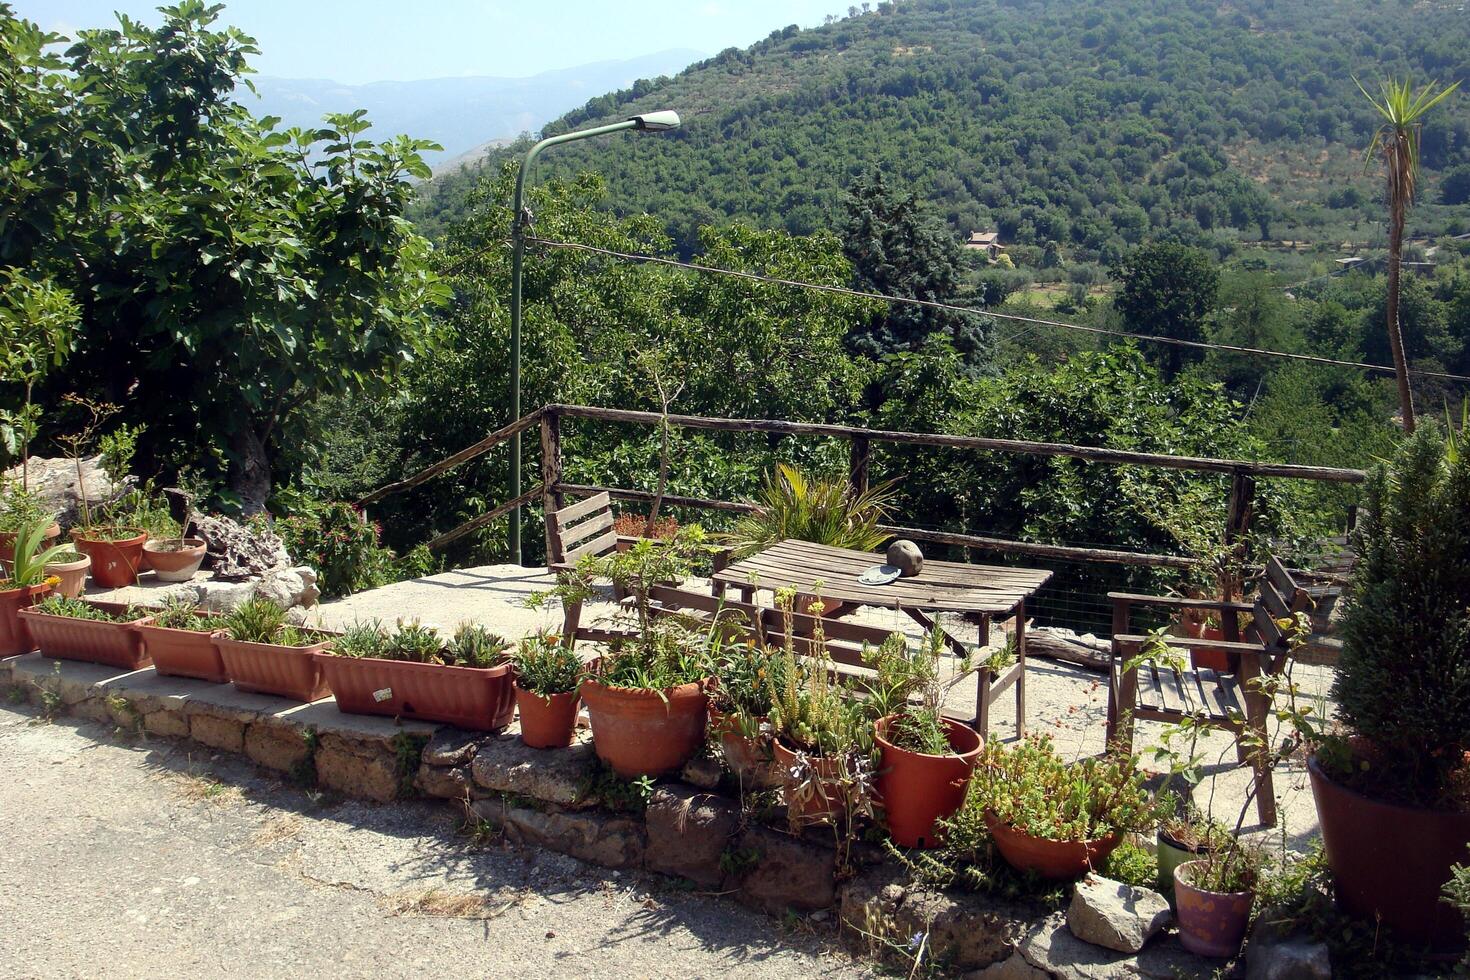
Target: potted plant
[
  {"x": 264, "y": 654},
  {"x": 1186, "y": 838},
  {"x": 21, "y": 508},
  {"x": 26, "y": 583},
  {"x": 81, "y": 629},
  {"x": 414, "y": 672},
  {"x": 1053, "y": 817},
  {"x": 924, "y": 759},
  {"x": 180, "y": 642},
  {"x": 740, "y": 710},
  {"x": 1390, "y": 788},
  {"x": 1213, "y": 895},
  {"x": 116, "y": 550},
  {"x": 175, "y": 558},
  {"x": 547, "y": 675},
  {"x": 69, "y": 567}
]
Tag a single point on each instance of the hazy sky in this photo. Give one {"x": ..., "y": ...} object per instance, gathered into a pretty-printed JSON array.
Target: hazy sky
[{"x": 357, "y": 41}]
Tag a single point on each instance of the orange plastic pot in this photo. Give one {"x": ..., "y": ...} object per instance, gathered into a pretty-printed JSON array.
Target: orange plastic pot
[
  {"x": 184, "y": 653},
  {"x": 1057, "y": 860},
  {"x": 818, "y": 796},
  {"x": 548, "y": 721},
  {"x": 15, "y": 638},
  {"x": 105, "y": 642},
  {"x": 475, "y": 698},
  {"x": 1210, "y": 923},
  {"x": 919, "y": 790},
  {"x": 645, "y": 733},
  {"x": 270, "y": 668},
  {"x": 115, "y": 562}
]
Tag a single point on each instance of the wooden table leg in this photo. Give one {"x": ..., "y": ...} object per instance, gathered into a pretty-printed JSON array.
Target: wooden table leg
[
  {"x": 983, "y": 679},
  {"x": 1021, "y": 679}
]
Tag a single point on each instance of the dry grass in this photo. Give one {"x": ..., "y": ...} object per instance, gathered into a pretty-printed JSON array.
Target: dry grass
[
  {"x": 204, "y": 789},
  {"x": 443, "y": 903},
  {"x": 279, "y": 828}
]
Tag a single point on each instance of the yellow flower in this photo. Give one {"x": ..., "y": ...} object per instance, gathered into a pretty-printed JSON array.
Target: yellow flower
[{"x": 52, "y": 581}]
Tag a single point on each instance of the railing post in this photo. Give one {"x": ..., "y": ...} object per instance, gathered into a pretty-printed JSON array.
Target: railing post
[
  {"x": 551, "y": 495},
  {"x": 1237, "y": 526},
  {"x": 857, "y": 467}
]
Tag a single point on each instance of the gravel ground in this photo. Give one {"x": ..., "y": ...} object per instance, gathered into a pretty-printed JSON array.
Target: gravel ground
[{"x": 144, "y": 858}]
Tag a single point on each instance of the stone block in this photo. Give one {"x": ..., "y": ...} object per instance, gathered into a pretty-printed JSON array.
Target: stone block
[
  {"x": 92, "y": 709},
  {"x": 594, "y": 836},
  {"x": 786, "y": 872},
  {"x": 443, "y": 782},
  {"x": 1109, "y": 913},
  {"x": 505, "y": 764},
  {"x": 1051, "y": 946},
  {"x": 355, "y": 769},
  {"x": 703, "y": 772},
  {"x": 173, "y": 724},
  {"x": 281, "y": 747},
  {"x": 688, "y": 832},
  {"x": 451, "y": 747},
  {"x": 226, "y": 734},
  {"x": 1013, "y": 968}
]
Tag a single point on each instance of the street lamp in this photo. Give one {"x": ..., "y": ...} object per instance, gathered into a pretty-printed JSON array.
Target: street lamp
[{"x": 649, "y": 122}]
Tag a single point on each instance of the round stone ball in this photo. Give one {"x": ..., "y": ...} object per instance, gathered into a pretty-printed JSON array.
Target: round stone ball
[{"x": 906, "y": 556}]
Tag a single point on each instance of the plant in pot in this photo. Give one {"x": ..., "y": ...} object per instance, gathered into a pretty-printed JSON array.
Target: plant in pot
[
  {"x": 924, "y": 759},
  {"x": 1213, "y": 895},
  {"x": 740, "y": 710},
  {"x": 180, "y": 642},
  {"x": 173, "y": 557},
  {"x": 27, "y": 582},
  {"x": 548, "y": 673},
  {"x": 82, "y": 629},
  {"x": 265, "y": 654},
  {"x": 1393, "y": 788},
  {"x": 645, "y": 695},
  {"x": 21, "y": 508},
  {"x": 414, "y": 672},
  {"x": 116, "y": 550}
]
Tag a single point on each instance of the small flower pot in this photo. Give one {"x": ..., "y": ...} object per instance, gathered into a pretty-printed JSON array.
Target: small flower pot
[
  {"x": 1057, "y": 860},
  {"x": 645, "y": 733},
  {"x": 919, "y": 790},
  {"x": 15, "y": 637},
  {"x": 476, "y": 698},
  {"x": 1210, "y": 923},
  {"x": 115, "y": 561},
  {"x": 73, "y": 575},
  {"x": 272, "y": 668},
  {"x": 7, "y": 543},
  {"x": 111, "y": 644},
  {"x": 174, "y": 559},
  {"x": 185, "y": 653},
  {"x": 815, "y": 792},
  {"x": 1173, "y": 853},
  {"x": 548, "y": 721}
]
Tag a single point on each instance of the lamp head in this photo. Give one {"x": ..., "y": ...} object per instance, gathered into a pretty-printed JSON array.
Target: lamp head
[{"x": 657, "y": 122}]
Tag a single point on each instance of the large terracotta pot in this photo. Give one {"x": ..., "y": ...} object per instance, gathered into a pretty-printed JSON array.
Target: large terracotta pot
[
  {"x": 476, "y": 698},
  {"x": 96, "y": 641},
  {"x": 185, "y": 653},
  {"x": 918, "y": 790},
  {"x": 270, "y": 668},
  {"x": 1210, "y": 923},
  {"x": 7, "y": 542},
  {"x": 115, "y": 562},
  {"x": 821, "y": 796},
  {"x": 15, "y": 638},
  {"x": 1054, "y": 859},
  {"x": 174, "y": 560},
  {"x": 548, "y": 721},
  {"x": 73, "y": 575},
  {"x": 1389, "y": 861},
  {"x": 645, "y": 733}
]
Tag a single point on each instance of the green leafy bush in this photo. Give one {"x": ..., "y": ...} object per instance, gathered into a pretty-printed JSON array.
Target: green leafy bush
[
  {"x": 343, "y": 546},
  {"x": 20, "y": 507}
]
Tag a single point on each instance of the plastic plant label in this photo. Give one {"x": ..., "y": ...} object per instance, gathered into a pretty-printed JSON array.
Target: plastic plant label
[{"x": 383, "y": 694}]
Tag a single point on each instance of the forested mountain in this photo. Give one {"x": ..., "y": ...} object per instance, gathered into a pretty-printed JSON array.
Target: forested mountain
[{"x": 1092, "y": 123}]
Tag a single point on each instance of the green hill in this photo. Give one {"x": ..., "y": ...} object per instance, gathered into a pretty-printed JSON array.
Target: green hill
[{"x": 1091, "y": 123}]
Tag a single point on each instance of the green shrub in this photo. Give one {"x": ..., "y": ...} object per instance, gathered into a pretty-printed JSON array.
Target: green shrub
[{"x": 343, "y": 546}]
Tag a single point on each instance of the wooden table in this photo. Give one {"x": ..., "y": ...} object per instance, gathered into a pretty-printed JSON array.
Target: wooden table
[{"x": 991, "y": 592}]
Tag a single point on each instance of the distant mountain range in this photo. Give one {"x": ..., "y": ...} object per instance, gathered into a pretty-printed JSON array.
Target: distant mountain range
[{"x": 467, "y": 115}]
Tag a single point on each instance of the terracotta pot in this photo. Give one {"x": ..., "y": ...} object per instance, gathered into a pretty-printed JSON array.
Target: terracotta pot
[
  {"x": 96, "y": 641},
  {"x": 1210, "y": 923},
  {"x": 820, "y": 799},
  {"x": 7, "y": 543},
  {"x": 917, "y": 789},
  {"x": 748, "y": 758},
  {"x": 645, "y": 733},
  {"x": 176, "y": 565},
  {"x": 15, "y": 637},
  {"x": 270, "y": 668},
  {"x": 548, "y": 721},
  {"x": 185, "y": 653},
  {"x": 1209, "y": 658},
  {"x": 830, "y": 607},
  {"x": 73, "y": 575},
  {"x": 1054, "y": 859},
  {"x": 1389, "y": 861},
  {"x": 115, "y": 563},
  {"x": 476, "y": 698}
]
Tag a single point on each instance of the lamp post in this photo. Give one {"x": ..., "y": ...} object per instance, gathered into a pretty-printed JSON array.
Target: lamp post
[{"x": 650, "y": 122}]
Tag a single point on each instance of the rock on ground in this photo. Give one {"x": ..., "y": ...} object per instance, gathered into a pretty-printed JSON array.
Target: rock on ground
[{"x": 1109, "y": 913}]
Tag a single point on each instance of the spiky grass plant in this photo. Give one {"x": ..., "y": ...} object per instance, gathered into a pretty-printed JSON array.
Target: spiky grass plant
[{"x": 793, "y": 505}]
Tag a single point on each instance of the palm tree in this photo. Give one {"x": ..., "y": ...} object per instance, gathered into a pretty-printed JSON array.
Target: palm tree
[{"x": 1397, "y": 142}]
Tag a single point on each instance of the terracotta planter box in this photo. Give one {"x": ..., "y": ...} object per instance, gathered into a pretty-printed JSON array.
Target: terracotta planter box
[
  {"x": 115, "y": 562},
  {"x": 1054, "y": 859},
  {"x": 95, "y": 641},
  {"x": 15, "y": 638},
  {"x": 269, "y": 668},
  {"x": 184, "y": 653},
  {"x": 645, "y": 733},
  {"x": 477, "y": 698}
]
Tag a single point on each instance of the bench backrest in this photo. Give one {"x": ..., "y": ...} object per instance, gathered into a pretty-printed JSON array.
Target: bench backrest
[{"x": 584, "y": 528}]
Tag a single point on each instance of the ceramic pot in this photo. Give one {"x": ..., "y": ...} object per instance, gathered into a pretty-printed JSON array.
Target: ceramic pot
[
  {"x": 918, "y": 790},
  {"x": 475, "y": 698},
  {"x": 1210, "y": 923},
  {"x": 96, "y": 641},
  {"x": 271, "y": 668},
  {"x": 548, "y": 721},
  {"x": 645, "y": 733},
  {"x": 1172, "y": 854},
  {"x": 185, "y": 653},
  {"x": 820, "y": 796},
  {"x": 174, "y": 560},
  {"x": 15, "y": 637},
  {"x": 73, "y": 575},
  {"x": 1057, "y": 860},
  {"x": 1390, "y": 861},
  {"x": 115, "y": 561},
  {"x": 7, "y": 543}
]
